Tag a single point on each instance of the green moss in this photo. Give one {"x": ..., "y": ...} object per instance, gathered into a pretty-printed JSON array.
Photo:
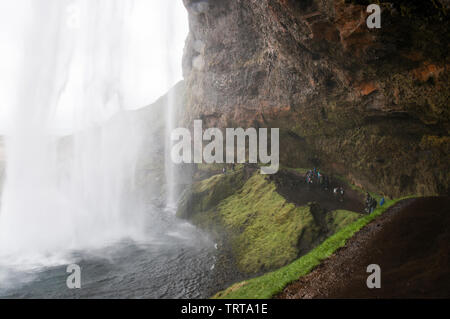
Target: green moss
[
  {"x": 206, "y": 194},
  {"x": 265, "y": 226},
  {"x": 265, "y": 231},
  {"x": 274, "y": 282},
  {"x": 338, "y": 219},
  {"x": 352, "y": 186},
  {"x": 302, "y": 171},
  {"x": 211, "y": 168}
]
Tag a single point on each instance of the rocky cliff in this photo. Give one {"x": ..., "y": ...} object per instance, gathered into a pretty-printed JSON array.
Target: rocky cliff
[{"x": 370, "y": 104}]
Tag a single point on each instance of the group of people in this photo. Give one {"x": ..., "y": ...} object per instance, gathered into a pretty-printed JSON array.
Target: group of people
[
  {"x": 314, "y": 176},
  {"x": 371, "y": 204},
  {"x": 339, "y": 193}
]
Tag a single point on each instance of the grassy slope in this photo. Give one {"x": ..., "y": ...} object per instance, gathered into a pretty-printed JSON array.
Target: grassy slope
[
  {"x": 272, "y": 283},
  {"x": 267, "y": 228},
  {"x": 264, "y": 229},
  {"x": 208, "y": 193}
]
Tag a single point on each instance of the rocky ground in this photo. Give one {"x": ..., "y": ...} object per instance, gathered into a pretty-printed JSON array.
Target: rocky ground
[
  {"x": 410, "y": 242},
  {"x": 291, "y": 184}
]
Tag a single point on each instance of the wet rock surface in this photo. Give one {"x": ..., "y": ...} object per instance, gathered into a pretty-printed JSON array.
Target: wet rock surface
[
  {"x": 371, "y": 105},
  {"x": 293, "y": 187}
]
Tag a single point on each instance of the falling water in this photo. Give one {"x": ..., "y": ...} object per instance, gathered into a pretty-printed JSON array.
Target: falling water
[
  {"x": 71, "y": 146},
  {"x": 170, "y": 125}
]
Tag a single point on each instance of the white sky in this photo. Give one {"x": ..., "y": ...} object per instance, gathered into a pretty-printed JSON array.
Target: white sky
[{"x": 111, "y": 65}]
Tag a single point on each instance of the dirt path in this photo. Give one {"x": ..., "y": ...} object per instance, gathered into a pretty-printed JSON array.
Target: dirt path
[
  {"x": 411, "y": 244},
  {"x": 293, "y": 187}
]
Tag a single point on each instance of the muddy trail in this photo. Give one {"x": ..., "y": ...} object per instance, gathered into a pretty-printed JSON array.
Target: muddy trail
[
  {"x": 293, "y": 187},
  {"x": 410, "y": 242}
]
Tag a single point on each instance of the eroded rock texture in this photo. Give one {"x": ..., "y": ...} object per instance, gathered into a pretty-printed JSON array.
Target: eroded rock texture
[{"x": 369, "y": 104}]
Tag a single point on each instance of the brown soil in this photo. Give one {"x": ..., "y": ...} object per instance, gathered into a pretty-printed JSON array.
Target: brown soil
[
  {"x": 292, "y": 186},
  {"x": 410, "y": 242}
]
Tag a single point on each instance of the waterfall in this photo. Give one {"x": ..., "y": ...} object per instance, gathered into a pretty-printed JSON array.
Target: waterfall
[
  {"x": 72, "y": 144},
  {"x": 168, "y": 165},
  {"x": 170, "y": 124}
]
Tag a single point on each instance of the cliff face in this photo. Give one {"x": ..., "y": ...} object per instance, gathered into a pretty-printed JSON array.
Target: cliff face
[{"x": 368, "y": 104}]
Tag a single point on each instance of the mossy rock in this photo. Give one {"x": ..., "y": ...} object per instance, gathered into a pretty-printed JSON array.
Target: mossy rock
[
  {"x": 265, "y": 231},
  {"x": 206, "y": 194}
]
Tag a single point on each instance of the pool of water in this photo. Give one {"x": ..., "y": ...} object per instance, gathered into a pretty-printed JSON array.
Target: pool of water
[{"x": 176, "y": 261}]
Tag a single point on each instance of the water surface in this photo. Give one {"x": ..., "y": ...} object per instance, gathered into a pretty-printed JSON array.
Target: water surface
[{"x": 176, "y": 261}]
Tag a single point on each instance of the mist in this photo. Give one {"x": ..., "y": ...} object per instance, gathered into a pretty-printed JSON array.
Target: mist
[
  {"x": 72, "y": 70},
  {"x": 112, "y": 55}
]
